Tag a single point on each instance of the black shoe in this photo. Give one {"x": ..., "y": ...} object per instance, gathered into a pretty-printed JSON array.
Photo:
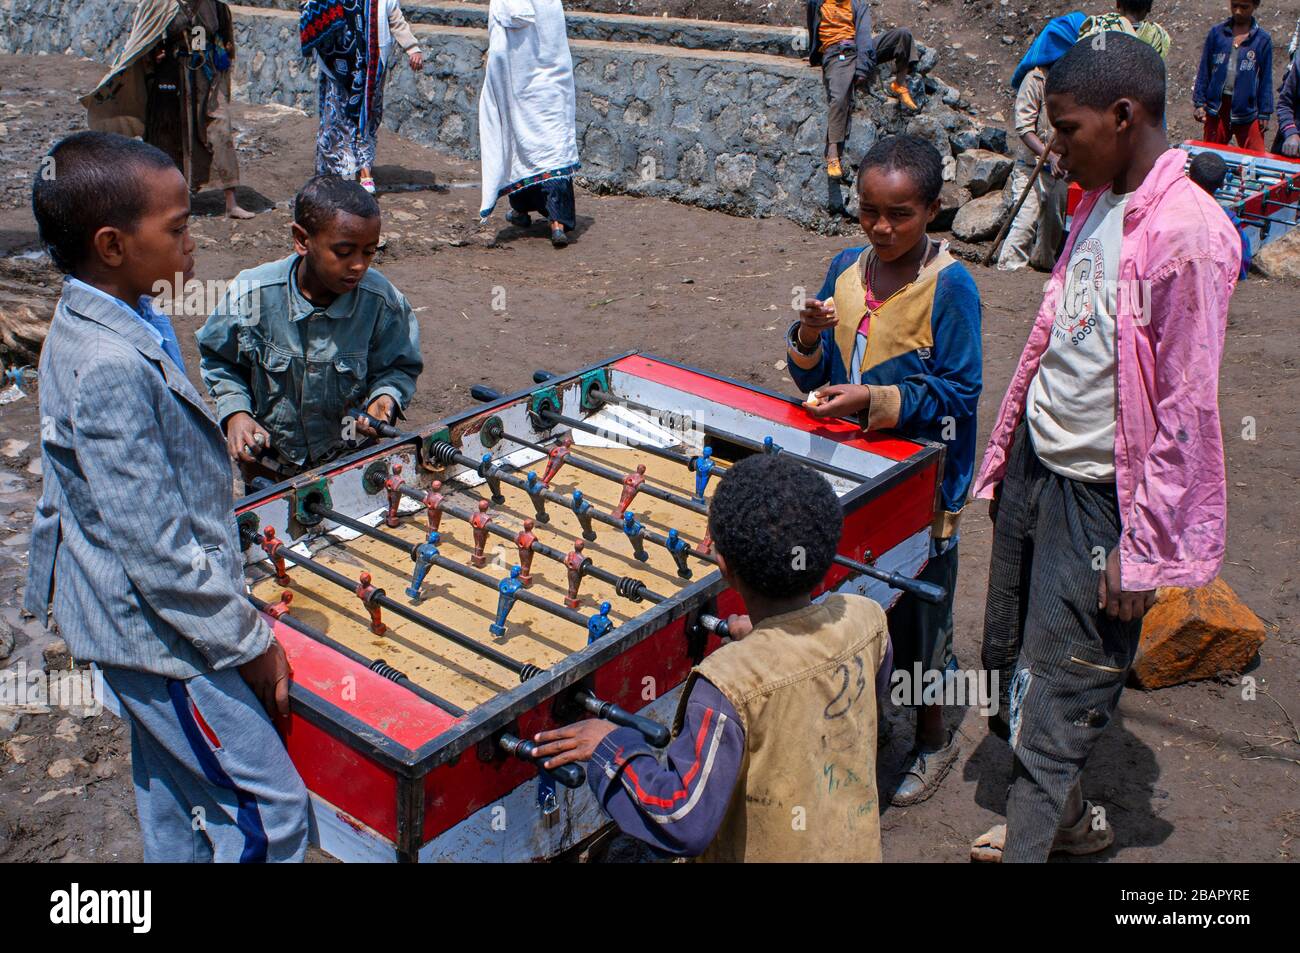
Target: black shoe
[
  {"x": 558, "y": 237},
  {"x": 518, "y": 219}
]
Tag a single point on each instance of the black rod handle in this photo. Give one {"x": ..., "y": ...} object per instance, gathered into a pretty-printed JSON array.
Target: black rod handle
[
  {"x": 541, "y": 377},
  {"x": 711, "y": 623},
  {"x": 570, "y": 775},
  {"x": 484, "y": 394},
  {"x": 383, "y": 428},
  {"x": 654, "y": 733},
  {"x": 925, "y": 591}
]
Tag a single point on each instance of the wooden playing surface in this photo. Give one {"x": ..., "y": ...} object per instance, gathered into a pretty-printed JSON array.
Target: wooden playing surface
[{"x": 532, "y": 634}]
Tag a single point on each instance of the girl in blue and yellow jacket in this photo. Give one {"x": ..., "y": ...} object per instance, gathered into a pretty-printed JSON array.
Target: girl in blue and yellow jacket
[{"x": 905, "y": 317}]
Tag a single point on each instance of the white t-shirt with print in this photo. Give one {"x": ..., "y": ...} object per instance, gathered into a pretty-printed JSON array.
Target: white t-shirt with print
[{"x": 1070, "y": 408}]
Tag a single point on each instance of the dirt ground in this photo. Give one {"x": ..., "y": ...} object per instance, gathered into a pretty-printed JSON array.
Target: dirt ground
[{"x": 1180, "y": 772}]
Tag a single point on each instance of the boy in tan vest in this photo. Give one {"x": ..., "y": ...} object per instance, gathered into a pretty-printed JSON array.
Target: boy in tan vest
[{"x": 774, "y": 754}]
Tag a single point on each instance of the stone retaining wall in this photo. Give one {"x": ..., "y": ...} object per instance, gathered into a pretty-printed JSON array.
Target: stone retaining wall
[{"x": 732, "y": 131}]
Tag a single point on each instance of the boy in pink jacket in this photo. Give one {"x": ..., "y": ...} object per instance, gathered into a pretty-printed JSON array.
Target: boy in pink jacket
[{"x": 1105, "y": 466}]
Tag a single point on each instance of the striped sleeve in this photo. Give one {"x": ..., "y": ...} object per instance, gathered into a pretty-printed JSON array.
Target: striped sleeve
[{"x": 676, "y": 806}]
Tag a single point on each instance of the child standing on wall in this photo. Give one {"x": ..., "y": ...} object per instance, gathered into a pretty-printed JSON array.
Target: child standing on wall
[{"x": 841, "y": 43}]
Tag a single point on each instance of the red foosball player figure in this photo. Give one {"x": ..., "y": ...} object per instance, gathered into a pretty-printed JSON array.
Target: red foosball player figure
[
  {"x": 366, "y": 592},
  {"x": 631, "y": 487},
  {"x": 480, "y": 522},
  {"x": 271, "y": 545},
  {"x": 524, "y": 540},
  {"x": 433, "y": 504},
  {"x": 574, "y": 563},
  {"x": 277, "y": 610},
  {"x": 556, "y": 459},
  {"x": 393, "y": 487}
]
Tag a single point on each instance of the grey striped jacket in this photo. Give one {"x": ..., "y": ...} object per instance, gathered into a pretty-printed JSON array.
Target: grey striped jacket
[{"x": 134, "y": 539}]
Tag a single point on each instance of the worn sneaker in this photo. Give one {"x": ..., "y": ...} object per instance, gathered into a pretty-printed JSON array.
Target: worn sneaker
[
  {"x": 558, "y": 237},
  {"x": 903, "y": 93},
  {"x": 833, "y": 169},
  {"x": 926, "y": 772}
]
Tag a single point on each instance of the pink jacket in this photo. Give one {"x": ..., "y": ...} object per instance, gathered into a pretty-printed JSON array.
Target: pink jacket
[{"x": 1178, "y": 267}]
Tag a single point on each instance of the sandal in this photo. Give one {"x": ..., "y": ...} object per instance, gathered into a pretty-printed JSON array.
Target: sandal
[
  {"x": 368, "y": 183},
  {"x": 1078, "y": 840},
  {"x": 987, "y": 848}
]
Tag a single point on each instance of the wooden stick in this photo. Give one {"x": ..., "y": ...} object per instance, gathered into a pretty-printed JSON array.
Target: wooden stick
[{"x": 1015, "y": 209}]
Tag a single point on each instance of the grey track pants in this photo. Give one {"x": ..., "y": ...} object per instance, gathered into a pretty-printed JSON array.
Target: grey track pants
[{"x": 212, "y": 778}]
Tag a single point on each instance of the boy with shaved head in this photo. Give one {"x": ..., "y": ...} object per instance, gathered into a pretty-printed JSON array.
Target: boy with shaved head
[{"x": 1105, "y": 466}]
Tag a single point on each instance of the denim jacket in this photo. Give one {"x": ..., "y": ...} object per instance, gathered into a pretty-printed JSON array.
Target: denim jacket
[
  {"x": 1252, "y": 93},
  {"x": 298, "y": 370}
]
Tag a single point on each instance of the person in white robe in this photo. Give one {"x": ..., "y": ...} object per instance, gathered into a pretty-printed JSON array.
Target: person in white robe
[{"x": 527, "y": 133}]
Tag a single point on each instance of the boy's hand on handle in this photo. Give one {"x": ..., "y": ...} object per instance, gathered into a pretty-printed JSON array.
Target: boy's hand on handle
[
  {"x": 1111, "y": 596},
  {"x": 739, "y": 626},
  {"x": 575, "y": 742},
  {"x": 245, "y": 437},
  {"x": 268, "y": 676},
  {"x": 382, "y": 408},
  {"x": 841, "y": 400}
]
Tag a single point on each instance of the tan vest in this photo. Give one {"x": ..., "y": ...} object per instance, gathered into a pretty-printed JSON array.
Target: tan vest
[{"x": 804, "y": 685}]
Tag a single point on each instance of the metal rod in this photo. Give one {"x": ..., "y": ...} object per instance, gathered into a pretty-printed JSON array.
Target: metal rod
[
  {"x": 522, "y": 595},
  {"x": 570, "y": 775},
  {"x": 756, "y": 445},
  {"x": 607, "y": 473},
  {"x": 452, "y": 455},
  {"x": 377, "y": 666},
  {"x": 620, "y": 583},
  {"x": 522, "y": 669}
]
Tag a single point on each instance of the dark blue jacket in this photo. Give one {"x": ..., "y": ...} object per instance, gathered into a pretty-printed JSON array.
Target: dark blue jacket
[
  {"x": 940, "y": 378},
  {"x": 1252, "y": 95},
  {"x": 1288, "y": 105},
  {"x": 866, "y": 46}
]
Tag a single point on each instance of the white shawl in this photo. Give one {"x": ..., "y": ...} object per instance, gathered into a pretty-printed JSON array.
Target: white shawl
[{"x": 526, "y": 110}]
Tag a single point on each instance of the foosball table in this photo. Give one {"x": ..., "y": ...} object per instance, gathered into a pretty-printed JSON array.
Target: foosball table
[{"x": 448, "y": 592}]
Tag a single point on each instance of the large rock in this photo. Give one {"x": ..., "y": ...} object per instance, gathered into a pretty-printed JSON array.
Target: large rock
[
  {"x": 927, "y": 127},
  {"x": 951, "y": 199},
  {"x": 1195, "y": 633},
  {"x": 993, "y": 138},
  {"x": 982, "y": 171},
  {"x": 978, "y": 219},
  {"x": 1280, "y": 258}
]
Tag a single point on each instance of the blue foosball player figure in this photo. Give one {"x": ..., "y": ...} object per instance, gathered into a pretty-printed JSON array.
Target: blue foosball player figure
[
  {"x": 582, "y": 509},
  {"x": 678, "y": 548},
  {"x": 771, "y": 446},
  {"x": 506, "y": 590},
  {"x": 703, "y": 465},
  {"x": 599, "y": 624},
  {"x": 634, "y": 530},
  {"x": 425, "y": 554}
]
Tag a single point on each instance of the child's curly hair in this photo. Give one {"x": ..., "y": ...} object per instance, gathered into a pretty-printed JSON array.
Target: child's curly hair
[{"x": 777, "y": 523}]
